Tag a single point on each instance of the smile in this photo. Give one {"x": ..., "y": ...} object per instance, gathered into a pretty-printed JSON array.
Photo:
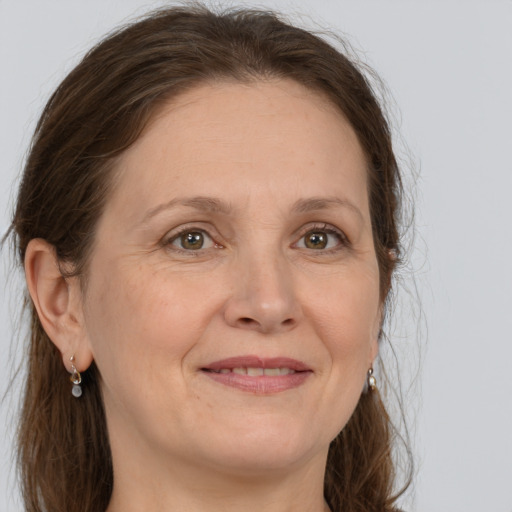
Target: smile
[
  {"x": 256, "y": 372},
  {"x": 257, "y": 375}
]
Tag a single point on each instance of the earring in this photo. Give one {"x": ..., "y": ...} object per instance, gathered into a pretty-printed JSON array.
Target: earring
[
  {"x": 76, "y": 379},
  {"x": 371, "y": 381}
]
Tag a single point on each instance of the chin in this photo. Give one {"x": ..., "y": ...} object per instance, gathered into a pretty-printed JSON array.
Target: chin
[
  {"x": 258, "y": 461},
  {"x": 261, "y": 450}
]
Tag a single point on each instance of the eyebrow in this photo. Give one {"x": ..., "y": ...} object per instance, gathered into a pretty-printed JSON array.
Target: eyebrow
[
  {"x": 215, "y": 205},
  {"x": 314, "y": 204},
  {"x": 205, "y": 204}
]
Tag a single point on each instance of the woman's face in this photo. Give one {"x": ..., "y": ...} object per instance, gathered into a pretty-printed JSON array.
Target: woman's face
[{"x": 232, "y": 304}]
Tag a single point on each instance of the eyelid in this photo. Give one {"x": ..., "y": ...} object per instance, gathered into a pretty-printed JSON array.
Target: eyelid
[
  {"x": 176, "y": 233},
  {"x": 328, "y": 228}
]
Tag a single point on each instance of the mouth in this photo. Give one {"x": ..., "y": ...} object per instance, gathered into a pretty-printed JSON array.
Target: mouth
[
  {"x": 259, "y": 375},
  {"x": 254, "y": 371}
]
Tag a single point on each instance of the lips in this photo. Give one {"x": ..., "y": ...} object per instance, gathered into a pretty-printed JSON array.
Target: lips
[
  {"x": 259, "y": 375},
  {"x": 258, "y": 362}
]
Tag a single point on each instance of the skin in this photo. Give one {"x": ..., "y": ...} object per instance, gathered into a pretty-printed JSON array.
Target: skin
[{"x": 281, "y": 162}]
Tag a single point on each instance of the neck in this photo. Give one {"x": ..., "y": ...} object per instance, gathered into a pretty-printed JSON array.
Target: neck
[{"x": 181, "y": 486}]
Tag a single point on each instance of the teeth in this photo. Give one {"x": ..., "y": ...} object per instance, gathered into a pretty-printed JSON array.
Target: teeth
[
  {"x": 258, "y": 372},
  {"x": 254, "y": 372}
]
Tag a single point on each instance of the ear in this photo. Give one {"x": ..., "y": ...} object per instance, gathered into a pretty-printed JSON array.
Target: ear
[{"x": 58, "y": 301}]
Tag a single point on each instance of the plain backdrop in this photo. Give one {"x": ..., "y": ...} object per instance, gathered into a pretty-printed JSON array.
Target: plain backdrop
[{"x": 448, "y": 65}]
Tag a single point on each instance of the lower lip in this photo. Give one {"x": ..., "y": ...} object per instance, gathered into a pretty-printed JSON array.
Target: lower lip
[{"x": 263, "y": 384}]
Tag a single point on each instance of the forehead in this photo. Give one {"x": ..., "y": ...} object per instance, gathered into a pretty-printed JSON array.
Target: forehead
[{"x": 231, "y": 138}]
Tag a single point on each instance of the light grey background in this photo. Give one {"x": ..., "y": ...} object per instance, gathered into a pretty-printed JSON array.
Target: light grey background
[{"x": 449, "y": 67}]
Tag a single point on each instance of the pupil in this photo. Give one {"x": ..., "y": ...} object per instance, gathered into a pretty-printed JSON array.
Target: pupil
[
  {"x": 316, "y": 241},
  {"x": 192, "y": 240}
]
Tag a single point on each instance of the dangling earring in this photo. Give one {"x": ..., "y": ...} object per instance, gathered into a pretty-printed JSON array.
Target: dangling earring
[
  {"x": 76, "y": 379},
  {"x": 371, "y": 381}
]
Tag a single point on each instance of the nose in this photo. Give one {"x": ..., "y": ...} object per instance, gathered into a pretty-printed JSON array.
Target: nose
[{"x": 263, "y": 298}]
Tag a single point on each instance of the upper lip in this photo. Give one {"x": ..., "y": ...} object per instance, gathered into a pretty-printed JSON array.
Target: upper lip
[{"x": 251, "y": 361}]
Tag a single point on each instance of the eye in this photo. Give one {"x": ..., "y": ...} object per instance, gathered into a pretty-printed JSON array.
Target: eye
[
  {"x": 323, "y": 238},
  {"x": 192, "y": 240},
  {"x": 316, "y": 240}
]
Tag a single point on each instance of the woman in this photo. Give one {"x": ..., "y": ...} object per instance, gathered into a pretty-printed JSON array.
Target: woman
[{"x": 208, "y": 226}]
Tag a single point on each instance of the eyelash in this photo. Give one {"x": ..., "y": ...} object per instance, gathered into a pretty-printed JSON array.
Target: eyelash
[
  {"x": 169, "y": 241},
  {"x": 343, "y": 241}
]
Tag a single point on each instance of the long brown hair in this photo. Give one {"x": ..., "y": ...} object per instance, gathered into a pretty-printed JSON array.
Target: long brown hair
[{"x": 98, "y": 111}]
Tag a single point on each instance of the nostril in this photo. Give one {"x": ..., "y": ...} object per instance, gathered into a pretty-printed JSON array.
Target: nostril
[
  {"x": 251, "y": 323},
  {"x": 246, "y": 322}
]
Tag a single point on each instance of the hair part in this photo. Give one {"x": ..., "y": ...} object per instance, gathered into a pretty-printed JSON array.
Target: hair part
[{"x": 96, "y": 113}]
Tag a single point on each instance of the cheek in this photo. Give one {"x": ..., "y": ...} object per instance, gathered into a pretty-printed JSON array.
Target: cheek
[
  {"x": 142, "y": 319},
  {"x": 121, "y": 323},
  {"x": 347, "y": 313},
  {"x": 140, "y": 330},
  {"x": 347, "y": 310}
]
